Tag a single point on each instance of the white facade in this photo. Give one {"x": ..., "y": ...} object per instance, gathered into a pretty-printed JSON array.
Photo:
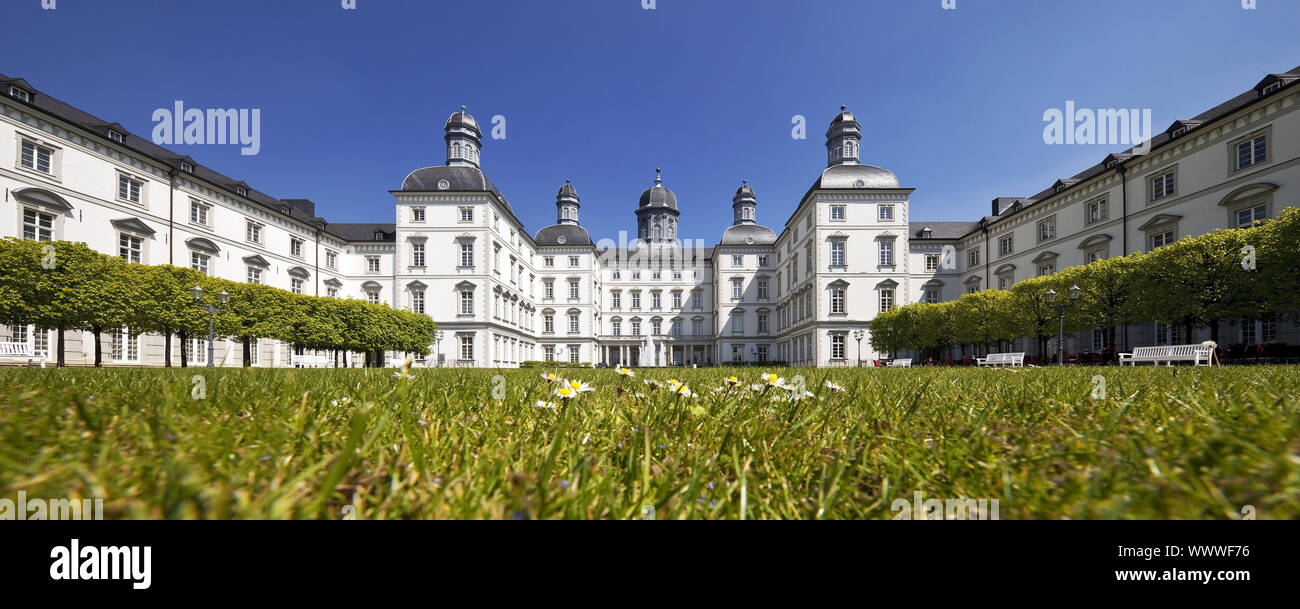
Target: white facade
[{"x": 501, "y": 296}]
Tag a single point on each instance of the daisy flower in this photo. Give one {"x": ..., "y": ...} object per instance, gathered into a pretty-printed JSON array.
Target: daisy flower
[
  {"x": 684, "y": 391},
  {"x": 773, "y": 380},
  {"x": 626, "y": 372},
  {"x": 732, "y": 381},
  {"x": 833, "y": 386},
  {"x": 545, "y": 404},
  {"x": 565, "y": 393},
  {"x": 580, "y": 386},
  {"x": 550, "y": 377}
]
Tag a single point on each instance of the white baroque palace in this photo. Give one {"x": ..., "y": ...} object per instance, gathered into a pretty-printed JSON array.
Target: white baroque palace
[{"x": 502, "y": 296}]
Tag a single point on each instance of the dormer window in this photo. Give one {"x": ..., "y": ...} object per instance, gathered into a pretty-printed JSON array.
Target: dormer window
[
  {"x": 187, "y": 167},
  {"x": 1273, "y": 88},
  {"x": 241, "y": 191},
  {"x": 1061, "y": 187},
  {"x": 1179, "y": 132},
  {"x": 115, "y": 136},
  {"x": 1111, "y": 164},
  {"x": 926, "y": 233},
  {"x": 17, "y": 93}
]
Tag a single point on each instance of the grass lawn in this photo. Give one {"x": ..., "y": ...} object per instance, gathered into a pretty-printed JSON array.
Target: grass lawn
[{"x": 306, "y": 443}]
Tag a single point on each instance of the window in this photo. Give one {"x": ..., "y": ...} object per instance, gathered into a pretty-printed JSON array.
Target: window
[
  {"x": 466, "y": 255},
  {"x": 332, "y": 292},
  {"x": 762, "y": 289},
  {"x": 1097, "y": 211},
  {"x": 1163, "y": 186},
  {"x": 886, "y": 213},
  {"x": 636, "y": 300},
  {"x": 1098, "y": 340},
  {"x": 115, "y": 136},
  {"x": 886, "y": 299},
  {"x": 38, "y": 157},
  {"x": 17, "y": 93},
  {"x": 1094, "y": 255},
  {"x": 1248, "y": 336},
  {"x": 573, "y": 323},
  {"x": 196, "y": 351},
  {"x": 762, "y": 261},
  {"x": 1006, "y": 245},
  {"x": 1273, "y": 88},
  {"x": 548, "y": 352},
  {"x": 466, "y": 214},
  {"x": 573, "y": 290},
  {"x": 886, "y": 253},
  {"x": 656, "y": 275},
  {"x": 467, "y": 347},
  {"x": 697, "y": 300},
  {"x": 618, "y": 275},
  {"x": 417, "y": 214},
  {"x": 417, "y": 253},
  {"x": 655, "y": 327},
  {"x": 837, "y": 213},
  {"x": 1249, "y": 216},
  {"x": 372, "y": 264},
  {"x": 199, "y": 212},
  {"x": 467, "y": 302},
  {"x": 1005, "y": 281},
  {"x": 129, "y": 247},
  {"x": 417, "y": 301},
  {"x": 548, "y": 261},
  {"x": 677, "y": 300},
  {"x": 931, "y": 295},
  {"x": 636, "y": 327},
  {"x": 837, "y": 346},
  {"x": 1267, "y": 329},
  {"x": 548, "y": 323},
  {"x": 656, "y": 299},
  {"x": 616, "y": 326},
  {"x": 253, "y": 232},
  {"x": 1162, "y": 238},
  {"x": 295, "y": 247},
  {"x": 737, "y": 323},
  {"x": 737, "y": 289},
  {"x": 1252, "y": 152},
  {"x": 331, "y": 259},
  {"x": 187, "y": 167},
  {"x": 128, "y": 189},
  {"x": 737, "y": 261},
  {"x": 837, "y": 301},
  {"x": 254, "y": 275},
  {"x": 616, "y": 300},
  {"x": 574, "y": 352},
  {"x": 241, "y": 191},
  {"x": 636, "y": 275},
  {"x": 697, "y": 327},
  {"x": 837, "y": 253},
  {"x": 372, "y": 297},
  {"x": 762, "y": 323},
  {"x": 1047, "y": 229},
  {"x": 1046, "y": 268},
  {"x": 200, "y": 262},
  {"x": 932, "y": 262},
  {"x": 124, "y": 345},
  {"x": 972, "y": 257},
  {"x": 295, "y": 285},
  {"x": 738, "y": 351},
  {"x": 573, "y": 262},
  {"x": 38, "y": 226}
]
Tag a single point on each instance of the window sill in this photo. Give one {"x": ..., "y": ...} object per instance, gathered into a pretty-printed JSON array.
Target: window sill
[{"x": 37, "y": 172}]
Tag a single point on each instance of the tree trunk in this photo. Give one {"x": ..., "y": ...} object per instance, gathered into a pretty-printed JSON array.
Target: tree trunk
[
  {"x": 248, "y": 352},
  {"x": 62, "y": 362},
  {"x": 96, "y": 332},
  {"x": 167, "y": 349},
  {"x": 1214, "y": 330},
  {"x": 182, "y": 336}
]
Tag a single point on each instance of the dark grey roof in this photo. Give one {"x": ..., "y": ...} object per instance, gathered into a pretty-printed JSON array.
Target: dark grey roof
[
  {"x": 943, "y": 230},
  {"x": 748, "y": 234},
  {"x": 462, "y": 119},
  {"x": 364, "y": 231},
  {"x": 843, "y": 117},
  {"x": 563, "y": 234},
  {"x": 567, "y": 192},
  {"x": 658, "y": 196},
  {"x": 456, "y": 179},
  {"x": 856, "y": 177}
]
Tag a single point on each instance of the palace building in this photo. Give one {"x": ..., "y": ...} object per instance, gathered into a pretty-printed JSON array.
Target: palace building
[{"x": 803, "y": 293}]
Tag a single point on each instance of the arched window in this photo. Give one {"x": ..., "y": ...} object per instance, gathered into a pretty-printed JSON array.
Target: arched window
[{"x": 455, "y": 150}]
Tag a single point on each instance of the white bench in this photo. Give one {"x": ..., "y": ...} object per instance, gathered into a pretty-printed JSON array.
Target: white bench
[
  {"x": 1002, "y": 359},
  {"x": 18, "y": 351},
  {"x": 901, "y": 363},
  {"x": 1169, "y": 354},
  {"x": 309, "y": 361}
]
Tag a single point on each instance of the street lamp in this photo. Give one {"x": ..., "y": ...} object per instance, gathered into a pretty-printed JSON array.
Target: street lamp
[
  {"x": 437, "y": 338},
  {"x": 859, "y": 335},
  {"x": 198, "y": 300},
  {"x": 1060, "y": 311}
]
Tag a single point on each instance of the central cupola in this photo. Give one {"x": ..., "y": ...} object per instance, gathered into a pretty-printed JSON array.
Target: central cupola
[{"x": 656, "y": 214}]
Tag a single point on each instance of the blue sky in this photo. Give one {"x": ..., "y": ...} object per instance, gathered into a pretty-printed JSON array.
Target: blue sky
[{"x": 604, "y": 91}]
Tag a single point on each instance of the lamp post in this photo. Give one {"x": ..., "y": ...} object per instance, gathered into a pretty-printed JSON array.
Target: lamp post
[
  {"x": 437, "y": 338},
  {"x": 1060, "y": 311},
  {"x": 212, "y": 311},
  {"x": 858, "y": 335}
]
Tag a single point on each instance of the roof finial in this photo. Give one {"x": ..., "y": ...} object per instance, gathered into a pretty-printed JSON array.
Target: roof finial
[
  {"x": 658, "y": 178},
  {"x": 462, "y": 109},
  {"x": 744, "y": 181},
  {"x": 567, "y": 180},
  {"x": 843, "y": 107}
]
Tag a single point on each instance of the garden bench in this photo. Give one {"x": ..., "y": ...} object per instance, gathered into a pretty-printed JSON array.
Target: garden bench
[
  {"x": 308, "y": 361},
  {"x": 1002, "y": 359},
  {"x": 1169, "y": 354},
  {"x": 18, "y": 351},
  {"x": 901, "y": 363}
]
